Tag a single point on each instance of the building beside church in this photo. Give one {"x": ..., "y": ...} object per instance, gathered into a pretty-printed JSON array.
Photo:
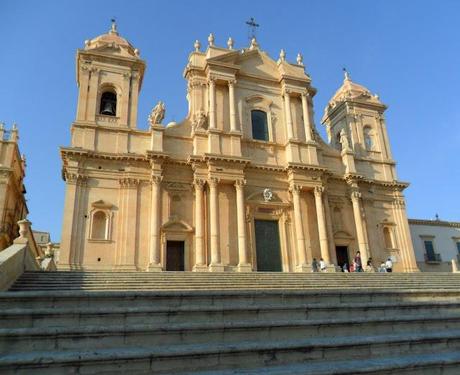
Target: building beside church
[
  {"x": 13, "y": 205},
  {"x": 243, "y": 183},
  {"x": 436, "y": 244}
]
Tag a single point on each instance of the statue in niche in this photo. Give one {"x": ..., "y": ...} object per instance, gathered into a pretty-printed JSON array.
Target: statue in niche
[
  {"x": 158, "y": 114},
  {"x": 344, "y": 140},
  {"x": 200, "y": 121}
]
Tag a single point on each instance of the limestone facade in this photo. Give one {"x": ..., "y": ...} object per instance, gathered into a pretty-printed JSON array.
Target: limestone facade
[
  {"x": 243, "y": 183},
  {"x": 13, "y": 206}
]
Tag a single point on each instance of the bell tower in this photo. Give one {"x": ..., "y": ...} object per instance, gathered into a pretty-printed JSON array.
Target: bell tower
[
  {"x": 109, "y": 77},
  {"x": 355, "y": 117},
  {"x": 360, "y": 114}
]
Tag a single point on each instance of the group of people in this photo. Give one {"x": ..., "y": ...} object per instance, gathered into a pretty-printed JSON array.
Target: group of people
[{"x": 355, "y": 266}]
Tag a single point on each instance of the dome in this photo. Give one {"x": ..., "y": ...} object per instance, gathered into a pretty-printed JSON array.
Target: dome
[
  {"x": 350, "y": 91},
  {"x": 112, "y": 40}
]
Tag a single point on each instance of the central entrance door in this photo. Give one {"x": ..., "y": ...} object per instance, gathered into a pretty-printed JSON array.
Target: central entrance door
[
  {"x": 342, "y": 256},
  {"x": 175, "y": 256},
  {"x": 268, "y": 246}
]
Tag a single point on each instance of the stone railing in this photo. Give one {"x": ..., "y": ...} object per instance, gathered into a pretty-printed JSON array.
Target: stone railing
[{"x": 23, "y": 255}]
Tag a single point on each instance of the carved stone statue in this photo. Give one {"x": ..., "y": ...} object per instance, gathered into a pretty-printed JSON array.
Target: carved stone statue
[
  {"x": 344, "y": 140},
  {"x": 158, "y": 114},
  {"x": 200, "y": 121}
]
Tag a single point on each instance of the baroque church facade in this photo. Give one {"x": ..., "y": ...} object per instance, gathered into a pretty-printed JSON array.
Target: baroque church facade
[{"x": 243, "y": 183}]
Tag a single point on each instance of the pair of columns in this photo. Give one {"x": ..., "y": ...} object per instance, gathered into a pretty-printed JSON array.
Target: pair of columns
[
  {"x": 212, "y": 104},
  {"x": 305, "y": 112},
  {"x": 300, "y": 238},
  {"x": 216, "y": 260}
]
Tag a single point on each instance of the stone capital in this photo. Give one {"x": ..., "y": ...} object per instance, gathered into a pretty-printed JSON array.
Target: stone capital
[
  {"x": 156, "y": 179},
  {"x": 213, "y": 182},
  {"x": 318, "y": 190},
  {"x": 355, "y": 194},
  {"x": 240, "y": 183},
  {"x": 295, "y": 189},
  {"x": 199, "y": 183},
  {"x": 129, "y": 182}
]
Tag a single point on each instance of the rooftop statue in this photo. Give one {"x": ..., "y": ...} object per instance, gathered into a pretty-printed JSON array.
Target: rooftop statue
[{"x": 158, "y": 114}]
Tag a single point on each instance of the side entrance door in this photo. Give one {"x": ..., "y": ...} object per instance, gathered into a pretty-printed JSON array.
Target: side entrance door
[
  {"x": 342, "y": 256},
  {"x": 268, "y": 246},
  {"x": 175, "y": 256}
]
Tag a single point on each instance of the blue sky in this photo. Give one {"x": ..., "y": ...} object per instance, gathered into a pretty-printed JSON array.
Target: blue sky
[{"x": 406, "y": 51}]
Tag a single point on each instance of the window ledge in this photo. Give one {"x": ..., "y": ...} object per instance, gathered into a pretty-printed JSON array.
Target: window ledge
[{"x": 98, "y": 241}]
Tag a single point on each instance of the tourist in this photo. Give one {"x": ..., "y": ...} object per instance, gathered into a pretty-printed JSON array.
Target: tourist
[
  {"x": 389, "y": 265},
  {"x": 369, "y": 266},
  {"x": 322, "y": 265},
  {"x": 382, "y": 267},
  {"x": 345, "y": 267},
  {"x": 314, "y": 265},
  {"x": 357, "y": 262}
]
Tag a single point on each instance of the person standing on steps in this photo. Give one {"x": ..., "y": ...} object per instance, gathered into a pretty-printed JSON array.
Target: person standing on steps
[
  {"x": 389, "y": 265},
  {"x": 358, "y": 263},
  {"x": 322, "y": 265},
  {"x": 369, "y": 266},
  {"x": 314, "y": 265}
]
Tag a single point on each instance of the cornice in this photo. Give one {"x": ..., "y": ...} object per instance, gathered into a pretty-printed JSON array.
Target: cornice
[
  {"x": 75, "y": 152},
  {"x": 435, "y": 223}
]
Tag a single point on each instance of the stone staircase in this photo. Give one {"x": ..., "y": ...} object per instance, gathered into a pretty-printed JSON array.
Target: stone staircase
[{"x": 230, "y": 323}]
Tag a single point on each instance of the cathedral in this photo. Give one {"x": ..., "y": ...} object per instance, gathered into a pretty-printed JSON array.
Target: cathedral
[{"x": 244, "y": 183}]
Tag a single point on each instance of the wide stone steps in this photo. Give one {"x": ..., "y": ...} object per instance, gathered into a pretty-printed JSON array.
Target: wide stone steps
[
  {"x": 115, "y": 316},
  {"x": 225, "y": 323},
  {"x": 221, "y": 281}
]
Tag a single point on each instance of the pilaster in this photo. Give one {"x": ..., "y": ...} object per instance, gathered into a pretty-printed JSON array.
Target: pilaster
[{"x": 243, "y": 264}]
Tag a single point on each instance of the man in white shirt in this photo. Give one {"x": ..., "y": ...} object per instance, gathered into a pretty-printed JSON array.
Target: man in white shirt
[
  {"x": 389, "y": 265},
  {"x": 322, "y": 265}
]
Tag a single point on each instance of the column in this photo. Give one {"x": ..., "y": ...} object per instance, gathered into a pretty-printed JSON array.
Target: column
[
  {"x": 200, "y": 264},
  {"x": 301, "y": 256},
  {"x": 155, "y": 253},
  {"x": 306, "y": 116},
  {"x": 330, "y": 230},
  {"x": 243, "y": 264},
  {"x": 212, "y": 104},
  {"x": 321, "y": 224},
  {"x": 214, "y": 226},
  {"x": 231, "y": 103},
  {"x": 287, "y": 108},
  {"x": 362, "y": 244},
  {"x": 406, "y": 247}
]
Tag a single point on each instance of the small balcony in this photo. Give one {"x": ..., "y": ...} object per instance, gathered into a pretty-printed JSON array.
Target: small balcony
[{"x": 433, "y": 258}]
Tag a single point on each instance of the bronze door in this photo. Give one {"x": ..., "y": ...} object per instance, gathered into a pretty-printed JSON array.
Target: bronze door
[
  {"x": 175, "y": 256},
  {"x": 268, "y": 246}
]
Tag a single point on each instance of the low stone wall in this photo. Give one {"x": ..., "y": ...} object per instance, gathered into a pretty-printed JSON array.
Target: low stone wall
[{"x": 13, "y": 262}]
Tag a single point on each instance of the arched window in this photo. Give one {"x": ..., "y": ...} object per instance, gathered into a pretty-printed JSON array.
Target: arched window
[
  {"x": 259, "y": 125},
  {"x": 99, "y": 226},
  {"x": 368, "y": 138},
  {"x": 388, "y": 239},
  {"x": 108, "y": 105}
]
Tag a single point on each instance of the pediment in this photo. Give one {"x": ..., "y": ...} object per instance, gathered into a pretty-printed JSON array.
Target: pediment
[
  {"x": 175, "y": 225},
  {"x": 112, "y": 49},
  {"x": 251, "y": 62},
  {"x": 342, "y": 234},
  {"x": 102, "y": 204}
]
